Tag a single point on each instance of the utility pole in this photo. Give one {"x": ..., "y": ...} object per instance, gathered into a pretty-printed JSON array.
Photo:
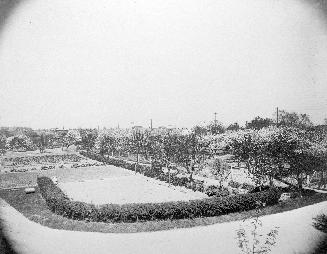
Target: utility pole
[
  {"x": 277, "y": 116},
  {"x": 151, "y": 124},
  {"x": 215, "y": 119}
]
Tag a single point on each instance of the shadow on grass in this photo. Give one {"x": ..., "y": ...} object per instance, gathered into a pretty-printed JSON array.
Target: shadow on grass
[{"x": 5, "y": 246}]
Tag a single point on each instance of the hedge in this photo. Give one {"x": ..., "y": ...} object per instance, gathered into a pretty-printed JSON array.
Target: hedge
[{"x": 60, "y": 204}]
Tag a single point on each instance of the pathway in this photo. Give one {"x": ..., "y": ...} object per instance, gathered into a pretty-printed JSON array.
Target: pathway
[{"x": 296, "y": 235}]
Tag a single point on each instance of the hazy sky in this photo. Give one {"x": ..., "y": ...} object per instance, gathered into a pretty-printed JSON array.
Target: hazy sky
[{"x": 87, "y": 63}]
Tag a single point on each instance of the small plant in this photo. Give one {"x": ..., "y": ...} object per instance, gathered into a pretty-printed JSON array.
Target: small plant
[
  {"x": 320, "y": 223},
  {"x": 251, "y": 241}
]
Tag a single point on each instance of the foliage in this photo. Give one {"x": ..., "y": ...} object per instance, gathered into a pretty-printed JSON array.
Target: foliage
[
  {"x": 234, "y": 184},
  {"x": 213, "y": 190},
  {"x": 59, "y": 203},
  {"x": 294, "y": 119},
  {"x": 320, "y": 223},
  {"x": 88, "y": 139},
  {"x": 216, "y": 128},
  {"x": 259, "y": 123},
  {"x": 20, "y": 142},
  {"x": 73, "y": 137},
  {"x": 252, "y": 243},
  {"x": 233, "y": 127},
  {"x": 277, "y": 152},
  {"x": 220, "y": 170}
]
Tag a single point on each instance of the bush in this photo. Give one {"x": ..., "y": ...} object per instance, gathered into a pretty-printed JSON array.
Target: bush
[
  {"x": 213, "y": 190},
  {"x": 60, "y": 204},
  {"x": 234, "y": 184},
  {"x": 247, "y": 186},
  {"x": 260, "y": 188}
]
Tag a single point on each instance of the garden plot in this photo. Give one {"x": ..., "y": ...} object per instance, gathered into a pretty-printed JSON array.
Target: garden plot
[
  {"x": 126, "y": 189},
  {"x": 24, "y": 179}
]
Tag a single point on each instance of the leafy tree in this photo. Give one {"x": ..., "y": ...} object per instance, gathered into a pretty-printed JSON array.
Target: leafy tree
[
  {"x": 105, "y": 143},
  {"x": 259, "y": 123},
  {"x": 2, "y": 143},
  {"x": 233, "y": 127},
  {"x": 88, "y": 139},
  {"x": 42, "y": 143},
  {"x": 294, "y": 119},
  {"x": 216, "y": 128},
  {"x": 220, "y": 170},
  {"x": 276, "y": 153},
  {"x": 200, "y": 130},
  {"x": 20, "y": 142},
  {"x": 73, "y": 137},
  {"x": 138, "y": 144}
]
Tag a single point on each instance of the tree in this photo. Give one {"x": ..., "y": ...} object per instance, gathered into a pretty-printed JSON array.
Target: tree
[
  {"x": 220, "y": 170},
  {"x": 138, "y": 144},
  {"x": 88, "y": 139},
  {"x": 293, "y": 119},
  {"x": 105, "y": 143},
  {"x": 19, "y": 142},
  {"x": 2, "y": 143},
  {"x": 42, "y": 143},
  {"x": 233, "y": 127},
  {"x": 277, "y": 153},
  {"x": 73, "y": 137},
  {"x": 216, "y": 128},
  {"x": 259, "y": 123},
  {"x": 200, "y": 130}
]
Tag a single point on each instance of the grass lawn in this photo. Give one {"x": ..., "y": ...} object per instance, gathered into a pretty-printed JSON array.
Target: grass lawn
[
  {"x": 13, "y": 180},
  {"x": 126, "y": 189},
  {"x": 34, "y": 208}
]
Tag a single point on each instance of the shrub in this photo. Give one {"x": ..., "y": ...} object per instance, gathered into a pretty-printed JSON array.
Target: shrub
[
  {"x": 213, "y": 190},
  {"x": 247, "y": 186},
  {"x": 260, "y": 188},
  {"x": 60, "y": 204},
  {"x": 234, "y": 184}
]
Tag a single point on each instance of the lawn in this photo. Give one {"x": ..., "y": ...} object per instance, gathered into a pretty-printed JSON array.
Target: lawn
[
  {"x": 34, "y": 208},
  {"x": 127, "y": 189},
  {"x": 13, "y": 180}
]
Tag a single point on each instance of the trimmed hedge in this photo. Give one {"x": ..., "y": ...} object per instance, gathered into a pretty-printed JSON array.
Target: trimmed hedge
[{"x": 60, "y": 204}]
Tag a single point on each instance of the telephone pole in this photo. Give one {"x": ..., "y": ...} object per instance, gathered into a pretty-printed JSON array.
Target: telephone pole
[
  {"x": 277, "y": 116},
  {"x": 215, "y": 119},
  {"x": 151, "y": 124}
]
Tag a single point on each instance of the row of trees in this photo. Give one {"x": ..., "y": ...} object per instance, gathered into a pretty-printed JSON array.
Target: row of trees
[
  {"x": 280, "y": 153},
  {"x": 270, "y": 153},
  {"x": 285, "y": 119},
  {"x": 293, "y": 149}
]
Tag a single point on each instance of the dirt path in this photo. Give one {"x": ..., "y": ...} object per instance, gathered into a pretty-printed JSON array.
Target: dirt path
[{"x": 296, "y": 235}]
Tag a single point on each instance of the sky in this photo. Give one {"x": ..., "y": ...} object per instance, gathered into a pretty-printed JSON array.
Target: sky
[{"x": 103, "y": 63}]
